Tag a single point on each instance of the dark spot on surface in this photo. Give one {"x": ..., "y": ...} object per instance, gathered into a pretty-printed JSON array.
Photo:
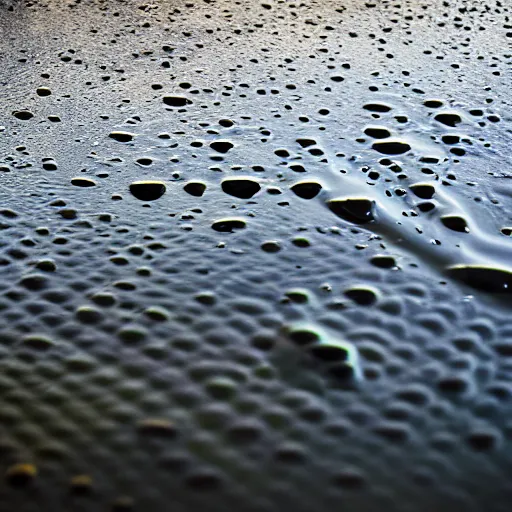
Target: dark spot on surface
[
  {"x": 391, "y": 147},
  {"x": 43, "y": 91},
  {"x": 243, "y": 188},
  {"x": 482, "y": 441},
  {"x": 382, "y": 261},
  {"x": 489, "y": 279},
  {"x": 306, "y": 189},
  {"x": 83, "y": 182},
  {"x": 361, "y": 296},
  {"x": 147, "y": 190},
  {"x": 433, "y": 103},
  {"x": 306, "y": 143},
  {"x": 176, "y": 101},
  {"x": 453, "y": 385},
  {"x": 122, "y": 136},
  {"x": 81, "y": 485},
  {"x": 377, "y": 132},
  {"x": 20, "y": 475},
  {"x": 377, "y": 107},
  {"x": 423, "y": 190},
  {"x": 355, "y": 210},
  {"x": 426, "y": 206},
  {"x": 195, "y": 188},
  {"x": 228, "y": 225},
  {"x": 448, "y": 119},
  {"x": 303, "y": 337},
  {"x": 23, "y": 115},
  {"x": 455, "y": 223},
  {"x": 226, "y": 123},
  {"x": 329, "y": 353},
  {"x": 271, "y": 246},
  {"x": 221, "y": 146}
]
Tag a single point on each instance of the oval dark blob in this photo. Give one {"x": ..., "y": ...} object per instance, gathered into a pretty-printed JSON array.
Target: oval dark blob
[
  {"x": 423, "y": 190},
  {"x": 304, "y": 337},
  {"x": 195, "y": 188},
  {"x": 448, "y": 119},
  {"x": 383, "y": 261},
  {"x": 83, "y": 182},
  {"x": 228, "y": 225},
  {"x": 23, "y": 115},
  {"x": 271, "y": 246},
  {"x": 329, "y": 353},
  {"x": 377, "y": 107},
  {"x": 243, "y": 188},
  {"x": 433, "y": 103},
  {"x": 43, "y": 91},
  {"x": 426, "y": 206},
  {"x": 147, "y": 190},
  {"x": 455, "y": 223},
  {"x": 306, "y": 189},
  {"x": 176, "y": 101},
  {"x": 362, "y": 296},
  {"x": 221, "y": 146},
  {"x": 356, "y": 210},
  {"x": 391, "y": 147},
  {"x": 226, "y": 123},
  {"x": 488, "y": 279},
  {"x": 450, "y": 139},
  {"x": 377, "y": 132},
  {"x": 122, "y": 136},
  {"x": 306, "y": 143}
]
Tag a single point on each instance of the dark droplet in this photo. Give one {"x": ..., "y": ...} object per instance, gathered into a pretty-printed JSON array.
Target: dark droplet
[
  {"x": 195, "y": 188},
  {"x": 329, "y": 353},
  {"x": 307, "y": 189},
  {"x": 147, "y": 190},
  {"x": 243, "y": 188},
  {"x": 455, "y": 223},
  {"x": 23, "y": 115},
  {"x": 391, "y": 147},
  {"x": 83, "y": 182},
  {"x": 228, "y": 225},
  {"x": 221, "y": 146},
  {"x": 356, "y": 210},
  {"x": 423, "y": 190},
  {"x": 362, "y": 296},
  {"x": 121, "y": 136},
  {"x": 377, "y": 132},
  {"x": 488, "y": 279},
  {"x": 377, "y": 107},
  {"x": 176, "y": 101},
  {"x": 448, "y": 119}
]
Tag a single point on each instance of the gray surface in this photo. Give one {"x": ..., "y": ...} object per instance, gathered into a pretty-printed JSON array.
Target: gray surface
[{"x": 115, "y": 311}]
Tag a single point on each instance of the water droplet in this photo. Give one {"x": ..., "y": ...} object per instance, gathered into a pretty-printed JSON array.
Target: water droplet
[
  {"x": 391, "y": 147},
  {"x": 306, "y": 189},
  {"x": 147, "y": 190},
  {"x": 121, "y": 136},
  {"x": 355, "y": 210},
  {"x": 228, "y": 225},
  {"x": 243, "y": 188}
]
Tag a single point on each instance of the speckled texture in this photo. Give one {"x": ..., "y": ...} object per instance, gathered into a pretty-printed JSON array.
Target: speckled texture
[{"x": 233, "y": 240}]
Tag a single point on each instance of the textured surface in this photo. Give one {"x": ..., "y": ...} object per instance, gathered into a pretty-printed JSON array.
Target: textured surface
[{"x": 255, "y": 256}]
